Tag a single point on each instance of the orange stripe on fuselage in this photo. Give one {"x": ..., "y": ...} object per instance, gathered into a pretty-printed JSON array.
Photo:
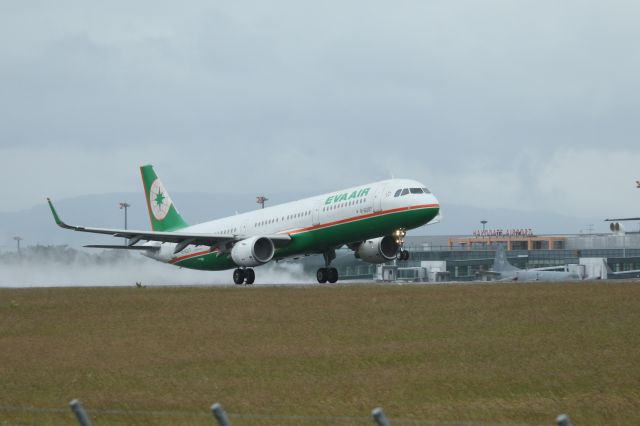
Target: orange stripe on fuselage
[
  {"x": 189, "y": 256},
  {"x": 365, "y": 216}
]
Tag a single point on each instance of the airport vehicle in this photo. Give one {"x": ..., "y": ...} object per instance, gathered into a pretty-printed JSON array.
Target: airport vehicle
[
  {"x": 371, "y": 220},
  {"x": 503, "y": 270}
]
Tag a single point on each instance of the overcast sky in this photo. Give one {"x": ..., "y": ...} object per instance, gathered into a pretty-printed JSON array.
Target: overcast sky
[{"x": 516, "y": 104}]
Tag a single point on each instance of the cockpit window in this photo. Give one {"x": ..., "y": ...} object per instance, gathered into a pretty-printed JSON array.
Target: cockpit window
[
  {"x": 397, "y": 194},
  {"x": 416, "y": 190},
  {"x": 405, "y": 191},
  {"x": 426, "y": 191}
]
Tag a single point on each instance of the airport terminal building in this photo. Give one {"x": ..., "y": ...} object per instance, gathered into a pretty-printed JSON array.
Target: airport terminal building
[{"x": 467, "y": 258}]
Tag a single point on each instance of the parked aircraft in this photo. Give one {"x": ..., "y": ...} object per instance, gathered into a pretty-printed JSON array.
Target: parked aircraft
[
  {"x": 370, "y": 219},
  {"x": 503, "y": 270}
]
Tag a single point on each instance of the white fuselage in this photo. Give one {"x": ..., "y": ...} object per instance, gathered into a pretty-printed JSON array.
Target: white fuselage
[{"x": 295, "y": 216}]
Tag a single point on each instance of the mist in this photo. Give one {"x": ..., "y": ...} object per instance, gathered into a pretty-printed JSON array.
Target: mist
[{"x": 63, "y": 267}]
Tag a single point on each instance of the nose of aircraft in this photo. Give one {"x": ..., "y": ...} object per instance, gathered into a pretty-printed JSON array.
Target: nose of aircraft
[
  {"x": 433, "y": 201},
  {"x": 429, "y": 198},
  {"x": 432, "y": 204}
]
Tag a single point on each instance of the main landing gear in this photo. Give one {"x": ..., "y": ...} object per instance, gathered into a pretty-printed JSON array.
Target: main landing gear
[
  {"x": 247, "y": 276},
  {"x": 327, "y": 274}
]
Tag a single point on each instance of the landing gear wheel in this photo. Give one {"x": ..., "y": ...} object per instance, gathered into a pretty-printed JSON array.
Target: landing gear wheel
[
  {"x": 403, "y": 255},
  {"x": 322, "y": 275},
  {"x": 332, "y": 275},
  {"x": 238, "y": 276},
  {"x": 250, "y": 276}
]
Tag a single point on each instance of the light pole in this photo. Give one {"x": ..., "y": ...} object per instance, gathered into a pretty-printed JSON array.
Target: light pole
[
  {"x": 125, "y": 206},
  {"x": 261, "y": 199},
  {"x": 18, "y": 239}
]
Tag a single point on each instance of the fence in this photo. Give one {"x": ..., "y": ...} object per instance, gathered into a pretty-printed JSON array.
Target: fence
[{"x": 223, "y": 419}]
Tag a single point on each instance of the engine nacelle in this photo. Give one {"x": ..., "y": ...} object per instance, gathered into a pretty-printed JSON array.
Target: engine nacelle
[
  {"x": 253, "y": 251},
  {"x": 617, "y": 228},
  {"x": 378, "y": 250}
]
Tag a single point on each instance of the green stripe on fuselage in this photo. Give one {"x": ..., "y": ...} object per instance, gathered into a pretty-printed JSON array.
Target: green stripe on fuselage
[{"x": 317, "y": 240}]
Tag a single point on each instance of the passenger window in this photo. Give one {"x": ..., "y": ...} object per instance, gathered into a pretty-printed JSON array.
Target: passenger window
[
  {"x": 405, "y": 191},
  {"x": 397, "y": 194},
  {"x": 416, "y": 191}
]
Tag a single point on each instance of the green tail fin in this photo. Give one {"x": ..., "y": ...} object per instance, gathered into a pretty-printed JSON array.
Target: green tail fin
[{"x": 162, "y": 211}]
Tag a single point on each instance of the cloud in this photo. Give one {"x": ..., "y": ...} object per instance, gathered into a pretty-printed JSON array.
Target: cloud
[{"x": 476, "y": 99}]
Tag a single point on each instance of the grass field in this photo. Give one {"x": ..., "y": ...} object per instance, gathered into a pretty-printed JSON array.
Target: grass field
[{"x": 499, "y": 353}]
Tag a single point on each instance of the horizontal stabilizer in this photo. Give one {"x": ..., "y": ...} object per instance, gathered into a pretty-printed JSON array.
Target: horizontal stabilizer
[{"x": 120, "y": 247}]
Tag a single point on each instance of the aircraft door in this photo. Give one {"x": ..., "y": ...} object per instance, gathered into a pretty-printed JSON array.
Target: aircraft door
[
  {"x": 316, "y": 216},
  {"x": 378, "y": 195}
]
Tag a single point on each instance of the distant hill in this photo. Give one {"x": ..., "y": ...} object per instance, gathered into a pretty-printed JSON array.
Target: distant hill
[{"x": 36, "y": 225}]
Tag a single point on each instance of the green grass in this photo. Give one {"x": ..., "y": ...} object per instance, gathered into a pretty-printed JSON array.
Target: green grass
[{"x": 480, "y": 353}]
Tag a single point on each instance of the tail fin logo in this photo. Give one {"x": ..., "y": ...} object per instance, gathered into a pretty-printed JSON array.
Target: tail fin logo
[{"x": 159, "y": 200}]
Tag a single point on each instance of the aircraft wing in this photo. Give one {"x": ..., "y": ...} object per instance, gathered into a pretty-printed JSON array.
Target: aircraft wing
[
  {"x": 625, "y": 273},
  {"x": 620, "y": 220},
  {"x": 182, "y": 239}
]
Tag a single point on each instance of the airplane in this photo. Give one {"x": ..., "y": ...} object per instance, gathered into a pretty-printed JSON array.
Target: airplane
[
  {"x": 505, "y": 271},
  {"x": 372, "y": 220}
]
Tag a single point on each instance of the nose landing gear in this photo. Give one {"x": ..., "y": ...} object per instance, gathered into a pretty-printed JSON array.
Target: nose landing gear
[
  {"x": 402, "y": 253},
  {"x": 247, "y": 276}
]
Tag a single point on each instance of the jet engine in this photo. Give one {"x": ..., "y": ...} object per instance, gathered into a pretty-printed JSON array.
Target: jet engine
[
  {"x": 253, "y": 251},
  {"x": 378, "y": 250},
  {"x": 616, "y": 228}
]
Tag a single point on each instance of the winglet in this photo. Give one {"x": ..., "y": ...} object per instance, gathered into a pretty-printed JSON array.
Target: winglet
[{"x": 55, "y": 215}]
